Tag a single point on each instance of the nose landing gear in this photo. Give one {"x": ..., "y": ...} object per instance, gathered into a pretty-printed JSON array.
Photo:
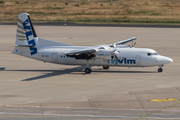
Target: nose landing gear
[{"x": 160, "y": 68}]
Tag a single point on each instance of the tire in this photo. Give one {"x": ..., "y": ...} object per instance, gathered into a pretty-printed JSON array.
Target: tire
[
  {"x": 105, "y": 67},
  {"x": 88, "y": 70},
  {"x": 160, "y": 70}
]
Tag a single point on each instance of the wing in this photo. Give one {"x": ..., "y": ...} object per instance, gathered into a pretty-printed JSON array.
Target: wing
[
  {"x": 124, "y": 41},
  {"x": 89, "y": 52}
]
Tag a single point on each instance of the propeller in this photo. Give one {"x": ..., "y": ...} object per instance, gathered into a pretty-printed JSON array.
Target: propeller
[{"x": 114, "y": 52}]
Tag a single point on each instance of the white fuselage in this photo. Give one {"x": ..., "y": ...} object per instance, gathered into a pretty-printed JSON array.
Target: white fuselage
[
  {"x": 115, "y": 54},
  {"x": 127, "y": 57}
]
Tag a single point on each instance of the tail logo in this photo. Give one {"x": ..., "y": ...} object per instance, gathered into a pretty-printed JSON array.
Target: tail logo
[
  {"x": 26, "y": 34},
  {"x": 21, "y": 31}
]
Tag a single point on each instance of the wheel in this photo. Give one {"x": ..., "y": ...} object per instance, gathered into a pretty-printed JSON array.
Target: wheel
[
  {"x": 88, "y": 70},
  {"x": 160, "y": 70},
  {"x": 105, "y": 67}
]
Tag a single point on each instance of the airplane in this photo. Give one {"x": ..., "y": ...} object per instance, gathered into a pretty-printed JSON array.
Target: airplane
[{"x": 115, "y": 54}]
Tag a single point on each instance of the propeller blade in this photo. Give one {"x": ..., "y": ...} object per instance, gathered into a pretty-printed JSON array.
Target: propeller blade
[
  {"x": 116, "y": 57},
  {"x": 131, "y": 43}
]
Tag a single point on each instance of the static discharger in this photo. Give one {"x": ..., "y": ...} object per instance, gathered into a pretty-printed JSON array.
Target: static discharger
[{"x": 164, "y": 100}]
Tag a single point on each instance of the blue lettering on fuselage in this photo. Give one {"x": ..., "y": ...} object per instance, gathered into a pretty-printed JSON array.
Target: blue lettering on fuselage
[
  {"x": 29, "y": 33},
  {"x": 121, "y": 61}
]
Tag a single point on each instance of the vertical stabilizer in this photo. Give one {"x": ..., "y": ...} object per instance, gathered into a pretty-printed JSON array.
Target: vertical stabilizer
[{"x": 26, "y": 35}]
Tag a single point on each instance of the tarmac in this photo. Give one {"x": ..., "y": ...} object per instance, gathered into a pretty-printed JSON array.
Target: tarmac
[{"x": 31, "y": 89}]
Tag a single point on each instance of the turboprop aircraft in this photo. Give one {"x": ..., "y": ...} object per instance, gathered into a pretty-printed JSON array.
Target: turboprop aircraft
[{"x": 116, "y": 54}]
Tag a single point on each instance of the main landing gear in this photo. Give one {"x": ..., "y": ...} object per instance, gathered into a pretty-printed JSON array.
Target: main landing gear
[
  {"x": 105, "y": 67},
  {"x": 160, "y": 68},
  {"x": 88, "y": 70}
]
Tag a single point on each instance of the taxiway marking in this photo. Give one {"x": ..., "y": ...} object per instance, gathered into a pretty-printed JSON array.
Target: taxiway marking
[
  {"x": 164, "y": 100},
  {"x": 157, "y": 111}
]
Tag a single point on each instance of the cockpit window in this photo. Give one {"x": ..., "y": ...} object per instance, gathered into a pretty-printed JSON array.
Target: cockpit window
[
  {"x": 155, "y": 54},
  {"x": 150, "y": 54}
]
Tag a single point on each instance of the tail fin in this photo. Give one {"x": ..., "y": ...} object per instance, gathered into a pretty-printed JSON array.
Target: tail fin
[{"x": 26, "y": 35}]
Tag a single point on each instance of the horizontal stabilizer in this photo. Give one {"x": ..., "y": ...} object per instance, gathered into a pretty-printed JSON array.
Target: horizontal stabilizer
[{"x": 24, "y": 46}]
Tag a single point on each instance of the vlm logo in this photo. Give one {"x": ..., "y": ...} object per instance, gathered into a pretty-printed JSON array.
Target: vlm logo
[
  {"x": 121, "y": 61},
  {"x": 28, "y": 34}
]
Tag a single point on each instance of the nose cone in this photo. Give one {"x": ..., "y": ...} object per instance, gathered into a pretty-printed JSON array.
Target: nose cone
[
  {"x": 164, "y": 60},
  {"x": 170, "y": 60}
]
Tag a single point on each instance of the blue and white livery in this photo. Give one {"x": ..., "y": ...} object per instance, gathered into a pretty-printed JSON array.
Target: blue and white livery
[{"x": 116, "y": 54}]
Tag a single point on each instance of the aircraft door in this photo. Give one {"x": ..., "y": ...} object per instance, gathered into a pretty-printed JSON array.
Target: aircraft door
[
  {"x": 138, "y": 60},
  {"x": 54, "y": 57}
]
